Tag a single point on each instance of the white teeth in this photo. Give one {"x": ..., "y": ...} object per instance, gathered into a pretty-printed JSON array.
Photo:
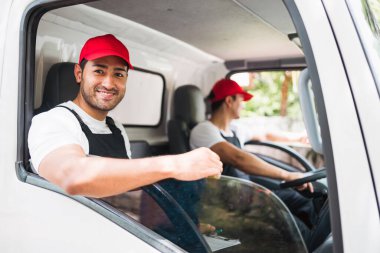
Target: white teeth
[{"x": 106, "y": 92}]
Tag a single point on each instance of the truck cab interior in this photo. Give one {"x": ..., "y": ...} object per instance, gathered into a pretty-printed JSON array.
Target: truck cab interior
[{"x": 179, "y": 49}]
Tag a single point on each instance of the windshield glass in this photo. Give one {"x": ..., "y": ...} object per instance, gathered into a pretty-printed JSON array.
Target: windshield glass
[{"x": 366, "y": 15}]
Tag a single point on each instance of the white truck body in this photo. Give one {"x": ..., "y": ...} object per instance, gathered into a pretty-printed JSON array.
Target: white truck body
[{"x": 342, "y": 65}]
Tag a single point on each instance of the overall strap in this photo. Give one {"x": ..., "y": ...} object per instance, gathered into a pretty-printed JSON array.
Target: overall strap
[
  {"x": 112, "y": 126},
  {"x": 84, "y": 127},
  {"x": 228, "y": 169},
  {"x": 232, "y": 139},
  {"x": 106, "y": 145}
]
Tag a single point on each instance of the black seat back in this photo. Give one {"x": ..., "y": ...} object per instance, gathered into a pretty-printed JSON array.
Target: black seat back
[
  {"x": 140, "y": 149},
  {"x": 60, "y": 86},
  {"x": 189, "y": 110}
]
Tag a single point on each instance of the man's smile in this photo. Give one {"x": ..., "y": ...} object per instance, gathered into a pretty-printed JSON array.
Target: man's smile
[{"x": 106, "y": 94}]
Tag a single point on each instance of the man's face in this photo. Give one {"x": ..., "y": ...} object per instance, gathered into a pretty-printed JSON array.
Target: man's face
[
  {"x": 236, "y": 106},
  {"x": 103, "y": 83}
]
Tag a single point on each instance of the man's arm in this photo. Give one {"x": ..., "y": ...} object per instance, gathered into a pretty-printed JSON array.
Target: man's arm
[
  {"x": 281, "y": 137},
  {"x": 251, "y": 164},
  {"x": 78, "y": 174}
]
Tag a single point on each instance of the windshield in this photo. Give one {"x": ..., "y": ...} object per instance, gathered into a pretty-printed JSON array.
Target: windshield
[{"x": 366, "y": 15}]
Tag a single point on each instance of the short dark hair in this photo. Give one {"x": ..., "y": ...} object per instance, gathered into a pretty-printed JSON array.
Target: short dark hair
[
  {"x": 82, "y": 64},
  {"x": 217, "y": 104}
]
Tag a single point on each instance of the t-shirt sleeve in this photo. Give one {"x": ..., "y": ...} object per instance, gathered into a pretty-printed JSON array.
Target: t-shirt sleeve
[
  {"x": 205, "y": 135},
  {"x": 50, "y": 131}
]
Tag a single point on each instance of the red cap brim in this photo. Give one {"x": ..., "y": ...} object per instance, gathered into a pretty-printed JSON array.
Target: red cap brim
[
  {"x": 246, "y": 96},
  {"x": 104, "y": 53}
]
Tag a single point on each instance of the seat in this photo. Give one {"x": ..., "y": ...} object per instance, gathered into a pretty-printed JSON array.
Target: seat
[
  {"x": 60, "y": 86},
  {"x": 189, "y": 110},
  {"x": 140, "y": 149}
]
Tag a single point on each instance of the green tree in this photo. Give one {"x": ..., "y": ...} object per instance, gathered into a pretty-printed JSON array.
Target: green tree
[{"x": 266, "y": 88}]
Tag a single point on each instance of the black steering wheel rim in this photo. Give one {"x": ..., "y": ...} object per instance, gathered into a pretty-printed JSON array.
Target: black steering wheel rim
[
  {"x": 302, "y": 160},
  {"x": 310, "y": 176}
]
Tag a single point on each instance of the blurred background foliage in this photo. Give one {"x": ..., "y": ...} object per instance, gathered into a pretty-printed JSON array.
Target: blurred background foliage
[
  {"x": 275, "y": 93},
  {"x": 371, "y": 10}
]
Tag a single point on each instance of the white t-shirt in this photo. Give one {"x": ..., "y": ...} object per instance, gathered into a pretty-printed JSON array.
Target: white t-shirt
[
  {"x": 206, "y": 134},
  {"x": 58, "y": 127}
]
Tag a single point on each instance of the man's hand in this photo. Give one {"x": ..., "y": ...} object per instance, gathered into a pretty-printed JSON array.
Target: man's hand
[
  {"x": 304, "y": 140},
  {"x": 296, "y": 175},
  {"x": 197, "y": 164},
  {"x": 205, "y": 228}
]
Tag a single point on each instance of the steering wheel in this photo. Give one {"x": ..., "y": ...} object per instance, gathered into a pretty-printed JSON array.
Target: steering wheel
[
  {"x": 308, "y": 177},
  {"x": 294, "y": 154}
]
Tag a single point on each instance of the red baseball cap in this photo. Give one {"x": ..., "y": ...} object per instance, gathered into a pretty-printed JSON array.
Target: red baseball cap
[
  {"x": 105, "y": 45},
  {"x": 227, "y": 87}
]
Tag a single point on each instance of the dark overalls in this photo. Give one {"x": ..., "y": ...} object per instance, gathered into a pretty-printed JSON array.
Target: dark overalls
[
  {"x": 228, "y": 169},
  {"x": 105, "y": 145},
  {"x": 312, "y": 227},
  {"x": 112, "y": 145}
]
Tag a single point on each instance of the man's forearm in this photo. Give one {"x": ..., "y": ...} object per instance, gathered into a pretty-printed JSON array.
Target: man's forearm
[
  {"x": 253, "y": 165},
  {"x": 100, "y": 177},
  {"x": 78, "y": 174}
]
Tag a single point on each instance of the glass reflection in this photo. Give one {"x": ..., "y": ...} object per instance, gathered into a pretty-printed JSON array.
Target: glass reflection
[{"x": 233, "y": 215}]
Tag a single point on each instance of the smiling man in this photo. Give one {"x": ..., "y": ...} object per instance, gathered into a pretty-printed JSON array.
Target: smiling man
[{"x": 78, "y": 147}]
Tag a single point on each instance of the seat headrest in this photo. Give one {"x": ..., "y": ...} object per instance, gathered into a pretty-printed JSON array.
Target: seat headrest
[
  {"x": 189, "y": 105},
  {"x": 60, "y": 85}
]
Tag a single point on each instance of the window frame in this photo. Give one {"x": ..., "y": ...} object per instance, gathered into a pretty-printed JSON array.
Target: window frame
[
  {"x": 362, "y": 28},
  {"x": 26, "y": 91},
  {"x": 258, "y": 69},
  {"x": 336, "y": 224}
]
